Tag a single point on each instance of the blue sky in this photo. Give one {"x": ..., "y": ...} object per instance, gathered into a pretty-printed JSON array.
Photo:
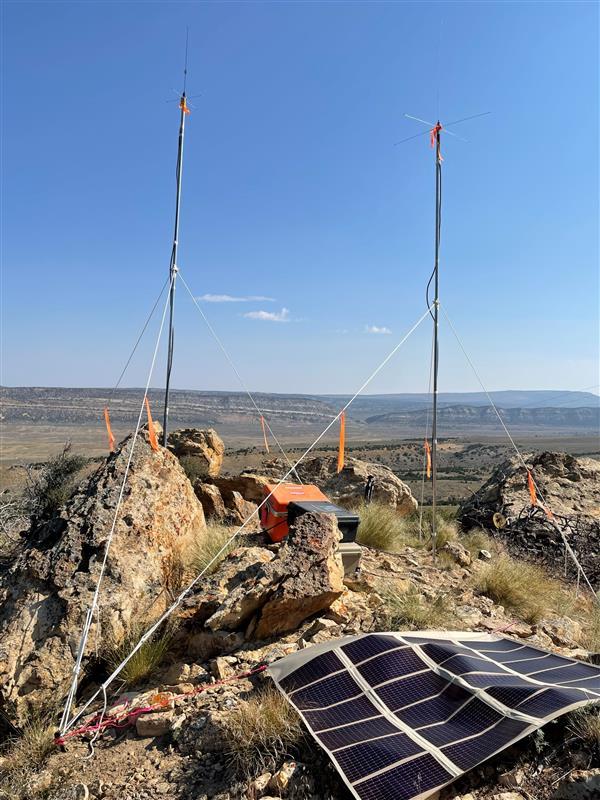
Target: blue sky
[{"x": 293, "y": 190}]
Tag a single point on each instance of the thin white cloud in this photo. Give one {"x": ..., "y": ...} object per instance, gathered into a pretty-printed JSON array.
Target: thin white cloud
[
  {"x": 270, "y": 316},
  {"x": 227, "y": 298},
  {"x": 377, "y": 329}
]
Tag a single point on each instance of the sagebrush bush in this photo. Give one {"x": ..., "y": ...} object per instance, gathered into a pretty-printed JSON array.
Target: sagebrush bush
[
  {"x": 146, "y": 660},
  {"x": 260, "y": 731},
  {"x": 50, "y": 488},
  {"x": 210, "y": 548},
  {"x": 525, "y": 589}
]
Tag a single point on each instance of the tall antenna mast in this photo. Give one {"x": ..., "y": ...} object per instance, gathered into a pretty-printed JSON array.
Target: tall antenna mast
[
  {"x": 173, "y": 265},
  {"x": 436, "y": 141}
]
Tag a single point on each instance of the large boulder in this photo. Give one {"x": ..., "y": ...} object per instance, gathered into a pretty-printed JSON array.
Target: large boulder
[
  {"x": 45, "y": 595},
  {"x": 200, "y": 451},
  {"x": 570, "y": 488},
  {"x": 263, "y": 594},
  {"x": 346, "y": 487}
]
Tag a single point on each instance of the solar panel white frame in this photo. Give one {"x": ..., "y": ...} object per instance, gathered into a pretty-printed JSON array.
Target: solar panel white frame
[{"x": 418, "y": 758}]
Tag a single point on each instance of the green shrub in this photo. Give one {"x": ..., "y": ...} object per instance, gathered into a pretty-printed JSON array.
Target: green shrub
[{"x": 52, "y": 486}]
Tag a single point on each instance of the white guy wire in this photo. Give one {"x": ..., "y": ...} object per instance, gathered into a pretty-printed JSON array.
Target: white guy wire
[
  {"x": 518, "y": 452},
  {"x": 90, "y": 613},
  {"x": 188, "y": 589},
  {"x": 239, "y": 377}
]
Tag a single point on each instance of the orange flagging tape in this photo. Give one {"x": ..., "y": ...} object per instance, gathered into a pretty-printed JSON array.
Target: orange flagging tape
[
  {"x": 111, "y": 438},
  {"x": 428, "y": 458},
  {"x": 183, "y": 106},
  {"x": 340, "y": 461},
  {"x": 531, "y": 486},
  {"x": 151, "y": 434},
  {"x": 264, "y": 430},
  {"x": 433, "y": 136}
]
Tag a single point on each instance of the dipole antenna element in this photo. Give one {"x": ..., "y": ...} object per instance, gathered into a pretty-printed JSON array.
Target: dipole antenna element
[
  {"x": 435, "y": 139},
  {"x": 184, "y": 111}
]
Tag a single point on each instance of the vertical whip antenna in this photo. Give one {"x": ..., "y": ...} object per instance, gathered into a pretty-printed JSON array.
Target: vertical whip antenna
[
  {"x": 184, "y": 111},
  {"x": 435, "y": 130}
]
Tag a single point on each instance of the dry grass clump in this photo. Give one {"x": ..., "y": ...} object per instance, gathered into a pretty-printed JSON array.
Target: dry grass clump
[
  {"x": 24, "y": 756},
  {"x": 207, "y": 548},
  {"x": 414, "y": 611},
  {"x": 585, "y": 725},
  {"x": 476, "y": 540},
  {"x": 525, "y": 589},
  {"x": 591, "y": 634},
  {"x": 381, "y": 527},
  {"x": 145, "y": 660},
  {"x": 260, "y": 731}
]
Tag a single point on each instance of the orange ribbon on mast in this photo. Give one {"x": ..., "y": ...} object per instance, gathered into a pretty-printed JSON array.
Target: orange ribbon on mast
[
  {"x": 428, "y": 458},
  {"x": 264, "y": 430},
  {"x": 151, "y": 434},
  {"x": 183, "y": 106},
  {"x": 342, "y": 446},
  {"x": 531, "y": 487},
  {"x": 434, "y": 136},
  {"x": 111, "y": 438}
]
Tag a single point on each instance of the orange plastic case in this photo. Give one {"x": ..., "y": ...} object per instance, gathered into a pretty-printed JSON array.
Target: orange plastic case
[{"x": 274, "y": 513}]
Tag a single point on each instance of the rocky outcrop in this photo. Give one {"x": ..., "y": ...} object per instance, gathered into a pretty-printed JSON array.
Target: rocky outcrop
[
  {"x": 570, "y": 488},
  {"x": 346, "y": 487},
  {"x": 200, "y": 451},
  {"x": 263, "y": 595},
  {"x": 45, "y": 595}
]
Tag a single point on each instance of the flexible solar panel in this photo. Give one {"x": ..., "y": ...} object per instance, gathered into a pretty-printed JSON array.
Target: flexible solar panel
[{"x": 402, "y": 715}]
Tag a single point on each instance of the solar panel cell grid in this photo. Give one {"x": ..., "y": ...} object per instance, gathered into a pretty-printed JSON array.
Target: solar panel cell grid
[
  {"x": 411, "y": 725},
  {"x": 472, "y": 718},
  {"x": 318, "y": 667},
  {"x": 369, "y": 646},
  {"x": 436, "y": 709},
  {"x": 350, "y": 711},
  {"x": 357, "y": 732},
  {"x": 391, "y": 665},
  {"x": 471, "y": 752},
  {"x": 365, "y": 759},
  {"x": 550, "y": 700},
  {"x": 327, "y": 692},
  {"x": 407, "y": 780},
  {"x": 413, "y": 689}
]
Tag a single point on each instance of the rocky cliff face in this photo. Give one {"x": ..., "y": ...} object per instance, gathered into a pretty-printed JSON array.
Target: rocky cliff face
[{"x": 45, "y": 595}]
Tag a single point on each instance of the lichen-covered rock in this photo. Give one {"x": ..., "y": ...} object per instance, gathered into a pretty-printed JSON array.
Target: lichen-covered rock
[
  {"x": 570, "y": 488},
  {"x": 200, "y": 450},
  {"x": 312, "y": 575},
  {"x": 262, "y": 594},
  {"x": 45, "y": 595}
]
